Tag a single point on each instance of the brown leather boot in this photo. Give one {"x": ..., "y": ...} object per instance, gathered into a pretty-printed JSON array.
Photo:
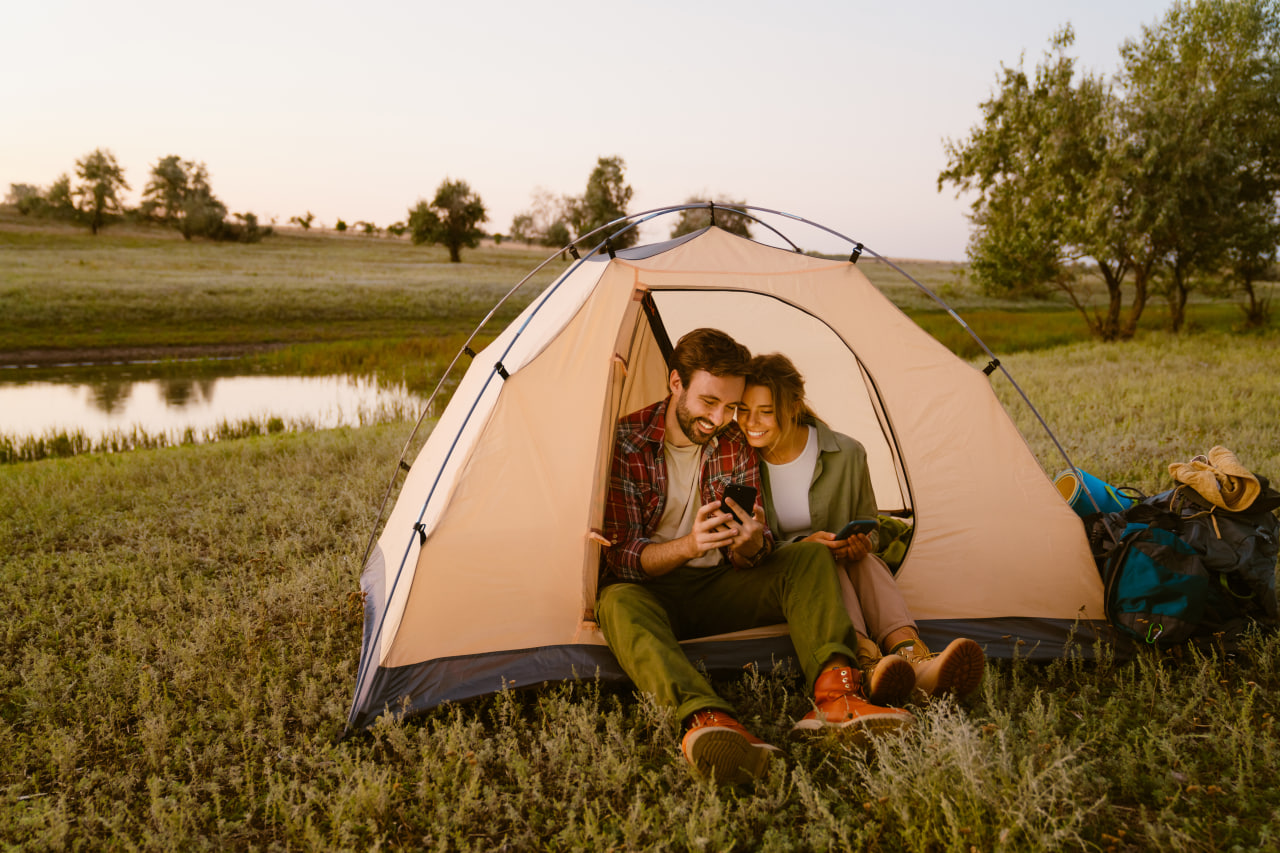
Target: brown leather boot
[
  {"x": 956, "y": 670},
  {"x": 840, "y": 705},
  {"x": 886, "y": 679},
  {"x": 720, "y": 748}
]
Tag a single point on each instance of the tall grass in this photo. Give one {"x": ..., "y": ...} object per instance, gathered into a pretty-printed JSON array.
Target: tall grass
[
  {"x": 63, "y": 443},
  {"x": 180, "y": 630},
  {"x": 1126, "y": 411}
]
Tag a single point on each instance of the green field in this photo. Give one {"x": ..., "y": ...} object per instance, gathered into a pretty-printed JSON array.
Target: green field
[
  {"x": 181, "y": 629},
  {"x": 66, "y": 290},
  {"x": 66, "y": 294}
]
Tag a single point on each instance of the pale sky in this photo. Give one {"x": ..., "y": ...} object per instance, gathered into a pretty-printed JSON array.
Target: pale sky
[{"x": 832, "y": 111}]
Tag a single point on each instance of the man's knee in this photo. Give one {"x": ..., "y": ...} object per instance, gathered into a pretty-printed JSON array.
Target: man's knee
[
  {"x": 622, "y": 602},
  {"x": 804, "y": 557}
]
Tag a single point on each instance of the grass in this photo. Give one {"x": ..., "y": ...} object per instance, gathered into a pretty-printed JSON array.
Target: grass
[
  {"x": 1125, "y": 411},
  {"x": 64, "y": 289},
  {"x": 181, "y": 628}
]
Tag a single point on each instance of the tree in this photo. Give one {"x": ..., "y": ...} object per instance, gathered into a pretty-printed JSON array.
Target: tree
[
  {"x": 27, "y": 198},
  {"x": 604, "y": 201},
  {"x": 1158, "y": 184},
  {"x": 1050, "y": 181},
  {"x": 179, "y": 194},
  {"x": 166, "y": 190},
  {"x": 59, "y": 200},
  {"x": 697, "y": 218},
  {"x": 543, "y": 222},
  {"x": 1250, "y": 254},
  {"x": 451, "y": 218},
  {"x": 303, "y": 222},
  {"x": 101, "y": 180},
  {"x": 1202, "y": 94},
  {"x": 340, "y": 225}
]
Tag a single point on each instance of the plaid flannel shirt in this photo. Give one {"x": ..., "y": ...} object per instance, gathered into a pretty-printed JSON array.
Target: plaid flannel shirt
[{"x": 638, "y": 485}]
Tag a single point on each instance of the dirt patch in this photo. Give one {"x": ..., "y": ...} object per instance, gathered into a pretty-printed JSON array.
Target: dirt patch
[{"x": 121, "y": 355}]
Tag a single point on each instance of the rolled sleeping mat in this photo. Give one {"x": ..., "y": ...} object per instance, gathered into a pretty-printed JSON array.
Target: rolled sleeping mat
[{"x": 1078, "y": 487}]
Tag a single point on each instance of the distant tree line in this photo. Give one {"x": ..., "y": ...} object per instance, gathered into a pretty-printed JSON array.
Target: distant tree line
[
  {"x": 1160, "y": 180},
  {"x": 177, "y": 195}
]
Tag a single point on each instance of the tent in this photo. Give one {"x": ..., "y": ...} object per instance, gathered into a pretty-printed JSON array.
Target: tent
[{"x": 485, "y": 573}]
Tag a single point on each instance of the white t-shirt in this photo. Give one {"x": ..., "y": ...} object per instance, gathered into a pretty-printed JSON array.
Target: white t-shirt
[
  {"x": 684, "y": 464},
  {"x": 789, "y": 487}
]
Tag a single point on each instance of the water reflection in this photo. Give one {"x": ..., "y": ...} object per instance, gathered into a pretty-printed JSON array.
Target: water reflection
[{"x": 101, "y": 405}]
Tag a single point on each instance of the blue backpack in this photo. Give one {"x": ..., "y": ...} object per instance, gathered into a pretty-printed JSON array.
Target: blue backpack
[{"x": 1174, "y": 567}]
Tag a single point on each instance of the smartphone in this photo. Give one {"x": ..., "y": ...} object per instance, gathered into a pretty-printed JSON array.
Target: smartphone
[
  {"x": 743, "y": 496},
  {"x": 858, "y": 525}
]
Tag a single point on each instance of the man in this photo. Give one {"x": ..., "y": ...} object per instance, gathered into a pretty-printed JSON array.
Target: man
[{"x": 681, "y": 566}]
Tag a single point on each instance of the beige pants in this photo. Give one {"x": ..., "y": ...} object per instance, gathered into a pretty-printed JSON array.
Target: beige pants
[{"x": 871, "y": 596}]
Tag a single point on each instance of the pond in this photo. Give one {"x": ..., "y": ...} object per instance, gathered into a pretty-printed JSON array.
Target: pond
[{"x": 120, "y": 406}]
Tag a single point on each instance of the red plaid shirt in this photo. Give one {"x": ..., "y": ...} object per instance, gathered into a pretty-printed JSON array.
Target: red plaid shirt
[{"x": 638, "y": 484}]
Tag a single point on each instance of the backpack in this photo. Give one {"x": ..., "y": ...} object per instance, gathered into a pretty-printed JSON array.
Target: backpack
[{"x": 1174, "y": 567}]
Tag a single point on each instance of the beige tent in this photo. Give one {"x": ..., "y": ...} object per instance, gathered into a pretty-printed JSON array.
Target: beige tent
[{"x": 485, "y": 572}]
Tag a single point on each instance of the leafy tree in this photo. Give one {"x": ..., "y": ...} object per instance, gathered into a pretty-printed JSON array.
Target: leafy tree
[
  {"x": 202, "y": 213},
  {"x": 697, "y": 218},
  {"x": 397, "y": 229},
  {"x": 1250, "y": 253},
  {"x": 247, "y": 230},
  {"x": 1049, "y": 183},
  {"x": 1202, "y": 96},
  {"x": 59, "y": 200},
  {"x": 604, "y": 201},
  {"x": 1158, "y": 185},
  {"x": 101, "y": 180},
  {"x": 451, "y": 218},
  {"x": 303, "y": 222},
  {"x": 340, "y": 226},
  {"x": 179, "y": 194},
  {"x": 166, "y": 189},
  {"x": 544, "y": 221},
  {"x": 27, "y": 198}
]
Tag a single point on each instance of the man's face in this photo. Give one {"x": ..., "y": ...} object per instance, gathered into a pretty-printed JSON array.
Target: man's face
[{"x": 707, "y": 405}]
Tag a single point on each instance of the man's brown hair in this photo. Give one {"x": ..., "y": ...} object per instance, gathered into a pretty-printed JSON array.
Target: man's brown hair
[{"x": 710, "y": 350}]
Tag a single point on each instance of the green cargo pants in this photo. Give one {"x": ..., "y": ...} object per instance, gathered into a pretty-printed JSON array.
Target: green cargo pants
[{"x": 644, "y": 622}]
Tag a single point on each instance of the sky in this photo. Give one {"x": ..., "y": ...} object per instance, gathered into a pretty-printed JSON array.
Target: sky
[{"x": 836, "y": 112}]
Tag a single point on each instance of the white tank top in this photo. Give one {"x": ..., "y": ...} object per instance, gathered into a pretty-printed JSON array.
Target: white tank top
[{"x": 789, "y": 487}]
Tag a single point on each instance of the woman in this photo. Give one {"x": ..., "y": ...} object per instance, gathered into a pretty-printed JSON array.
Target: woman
[{"x": 815, "y": 480}]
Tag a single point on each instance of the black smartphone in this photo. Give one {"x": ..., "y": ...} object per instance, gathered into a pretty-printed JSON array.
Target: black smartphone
[
  {"x": 743, "y": 496},
  {"x": 858, "y": 525}
]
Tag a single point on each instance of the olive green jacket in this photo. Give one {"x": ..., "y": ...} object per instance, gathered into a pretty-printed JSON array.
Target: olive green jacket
[{"x": 841, "y": 487}]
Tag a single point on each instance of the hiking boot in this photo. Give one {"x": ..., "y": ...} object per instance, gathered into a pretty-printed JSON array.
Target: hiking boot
[
  {"x": 957, "y": 670},
  {"x": 887, "y": 679},
  {"x": 718, "y": 746},
  {"x": 841, "y": 706}
]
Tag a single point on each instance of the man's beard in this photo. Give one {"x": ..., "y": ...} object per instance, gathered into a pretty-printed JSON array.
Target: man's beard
[{"x": 688, "y": 423}]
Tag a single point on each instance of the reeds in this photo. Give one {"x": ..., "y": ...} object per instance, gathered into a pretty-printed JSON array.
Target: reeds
[{"x": 62, "y": 443}]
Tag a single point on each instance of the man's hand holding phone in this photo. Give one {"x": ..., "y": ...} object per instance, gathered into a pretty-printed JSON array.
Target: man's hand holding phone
[
  {"x": 746, "y": 519},
  {"x": 713, "y": 527}
]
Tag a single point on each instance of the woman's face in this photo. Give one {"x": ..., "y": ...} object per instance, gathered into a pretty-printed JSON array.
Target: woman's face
[{"x": 757, "y": 419}]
